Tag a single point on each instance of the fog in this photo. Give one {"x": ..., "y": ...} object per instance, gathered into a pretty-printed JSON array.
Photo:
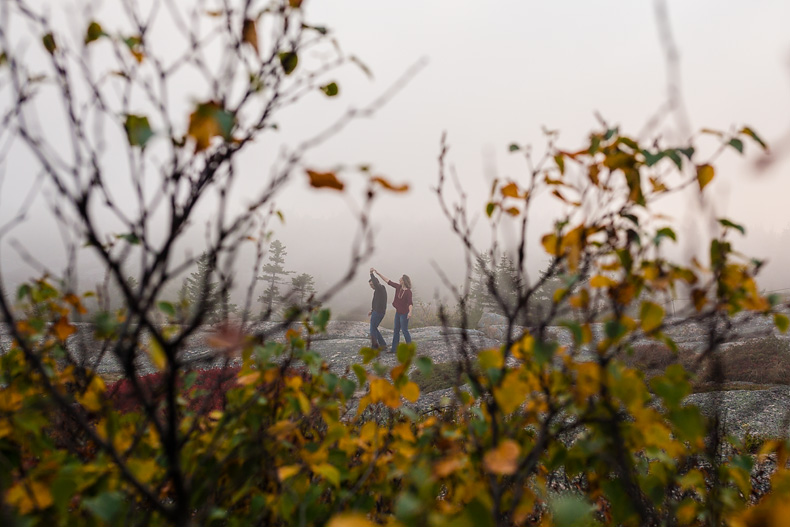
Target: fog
[{"x": 495, "y": 74}]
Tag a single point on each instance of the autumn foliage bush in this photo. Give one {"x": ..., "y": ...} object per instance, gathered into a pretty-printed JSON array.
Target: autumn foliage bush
[{"x": 284, "y": 441}]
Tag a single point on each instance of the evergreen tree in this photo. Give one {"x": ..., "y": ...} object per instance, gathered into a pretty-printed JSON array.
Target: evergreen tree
[
  {"x": 508, "y": 281},
  {"x": 303, "y": 286},
  {"x": 273, "y": 273},
  {"x": 198, "y": 286},
  {"x": 479, "y": 295}
]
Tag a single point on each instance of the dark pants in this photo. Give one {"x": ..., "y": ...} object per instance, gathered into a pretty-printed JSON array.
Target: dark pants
[
  {"x": 401, "y": 323},
  {"x": 376, "y": 340}
]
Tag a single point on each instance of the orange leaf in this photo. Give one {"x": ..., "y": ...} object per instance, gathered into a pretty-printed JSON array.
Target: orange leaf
[
  {"x": 75, "y": 303},
  {"x": 511, "y": 190},
  {"x": 389, "y": 186},
  {"x": 447, "y": 466},
  {"x": 249, "y": 33},
  {"x": 250, "y": 378},
  {"x": 207, "y": 121},
  {"x": 324, "y": 180},
  {"x": 63, "y": 329},
  {"x": 503, "y": 459},
  {"x": 350, "y": 519},
  {"x": 411, "y": 391}
]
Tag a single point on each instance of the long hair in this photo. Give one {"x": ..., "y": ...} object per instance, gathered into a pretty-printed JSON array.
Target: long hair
[{"x": 407, "y": 281}]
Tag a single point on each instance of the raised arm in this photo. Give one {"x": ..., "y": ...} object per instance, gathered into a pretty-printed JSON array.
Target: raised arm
[
  {"x": 387, "y": 280},
  {"x": 374, "y": 279}
]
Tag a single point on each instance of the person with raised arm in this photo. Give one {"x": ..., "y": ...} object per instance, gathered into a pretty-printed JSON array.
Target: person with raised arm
[
  {"x": 377, "y": 310},
  {"x": 403, "y": 305}
]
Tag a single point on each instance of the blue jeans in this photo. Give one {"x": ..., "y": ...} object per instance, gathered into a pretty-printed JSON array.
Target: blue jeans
[
  {"x": 401, "y": 323},
  {"x": 375, "y": 335}
]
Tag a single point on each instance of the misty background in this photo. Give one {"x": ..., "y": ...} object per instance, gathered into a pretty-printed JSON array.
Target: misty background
[{"x": 493, "y": 76}]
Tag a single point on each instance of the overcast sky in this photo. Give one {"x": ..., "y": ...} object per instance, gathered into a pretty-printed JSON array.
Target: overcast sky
[{"x": 496, "y": 73}]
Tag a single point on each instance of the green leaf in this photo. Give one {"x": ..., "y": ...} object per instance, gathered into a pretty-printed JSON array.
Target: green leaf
[
  {"x": 673, "y": 386},
  {"x": 728, "y": 224},
  {"x": 138, "y": 131},
  {"x": 737, "y": 144},
  {"x": 610, "y": 133},
  {"x": 675, "y": 157},
  {"x": 368, "y": 354},
  {"x": 289, "y": 61},
  {"x": 362, "y": 375},
  {"x": 572, "y": 511},
  {"x": 106, "y": 506},
  {"x": 406, "y": 352},
  {"x": 321, "y": 319},
  {"x": 575, "y": 329},
  {"x": 330, "y": 89},
  {"x": 651, "y": 159},
  {"x": 490, "y": 208},
  {"x": 688, "y": 152},
  {"x": 49, "y": 43},
  {"x": 348, "y": 387},
  {"x": 544, "y": 351},
  {"x": 514, "y": 147},
  {"x": 129, "y": 237},
  {"x": 782, "y": 322},
  {"x": 689, "y": 423},
  {"x": 651, "y": 315},
  {"x": 560, "y": 160},
  {"x": 93, "y": 33},
  {"x": 665, "y": 232},
  {"x": 751, "y": 133},
  {"x": 23, "y": 291},
  {"x": 425, "y": 365},
  {"x": 167, "y": 308}
]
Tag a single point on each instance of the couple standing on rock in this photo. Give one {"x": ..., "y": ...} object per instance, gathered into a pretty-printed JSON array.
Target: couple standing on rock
[{"x": 402, "y": 304}]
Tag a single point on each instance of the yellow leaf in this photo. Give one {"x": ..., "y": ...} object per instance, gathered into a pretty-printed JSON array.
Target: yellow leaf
[
  {"x": 10, "y": 400},
  {"x": 350, "y": 519},
  {"x": 705, "y": 175},
  {"x": 249, "y": 34},
  {"x": 491, "y": 358},
  {"x": 580, "y": 301},
  {"x": 329, "y": 472},
  {"x": 92, "y": 398},
  {"x": 389, "y": 186},
  {"x": 286, "y": 472},
  {"x": 143, "y": 469},
  {"x": 282, "y": 429},
  {"x": 411, "y": 391},
  {"x": 503, "y": 460},
  {"x": 602, "y": 281},
  {"x": 513, "y": 211},
  {"x": 324, "y": 180},
  {"x": 652, "y": 315},
  {"x": 28, "y": 496},
  {"x": 550, "y": 243},
  {"x": 63, "y": 329},
  {"x": 511, "y": 190},
  {"x": 588, "y": 379},
  {"x": 512, "y": 392},
  {"x": 157, "y": 354}
]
